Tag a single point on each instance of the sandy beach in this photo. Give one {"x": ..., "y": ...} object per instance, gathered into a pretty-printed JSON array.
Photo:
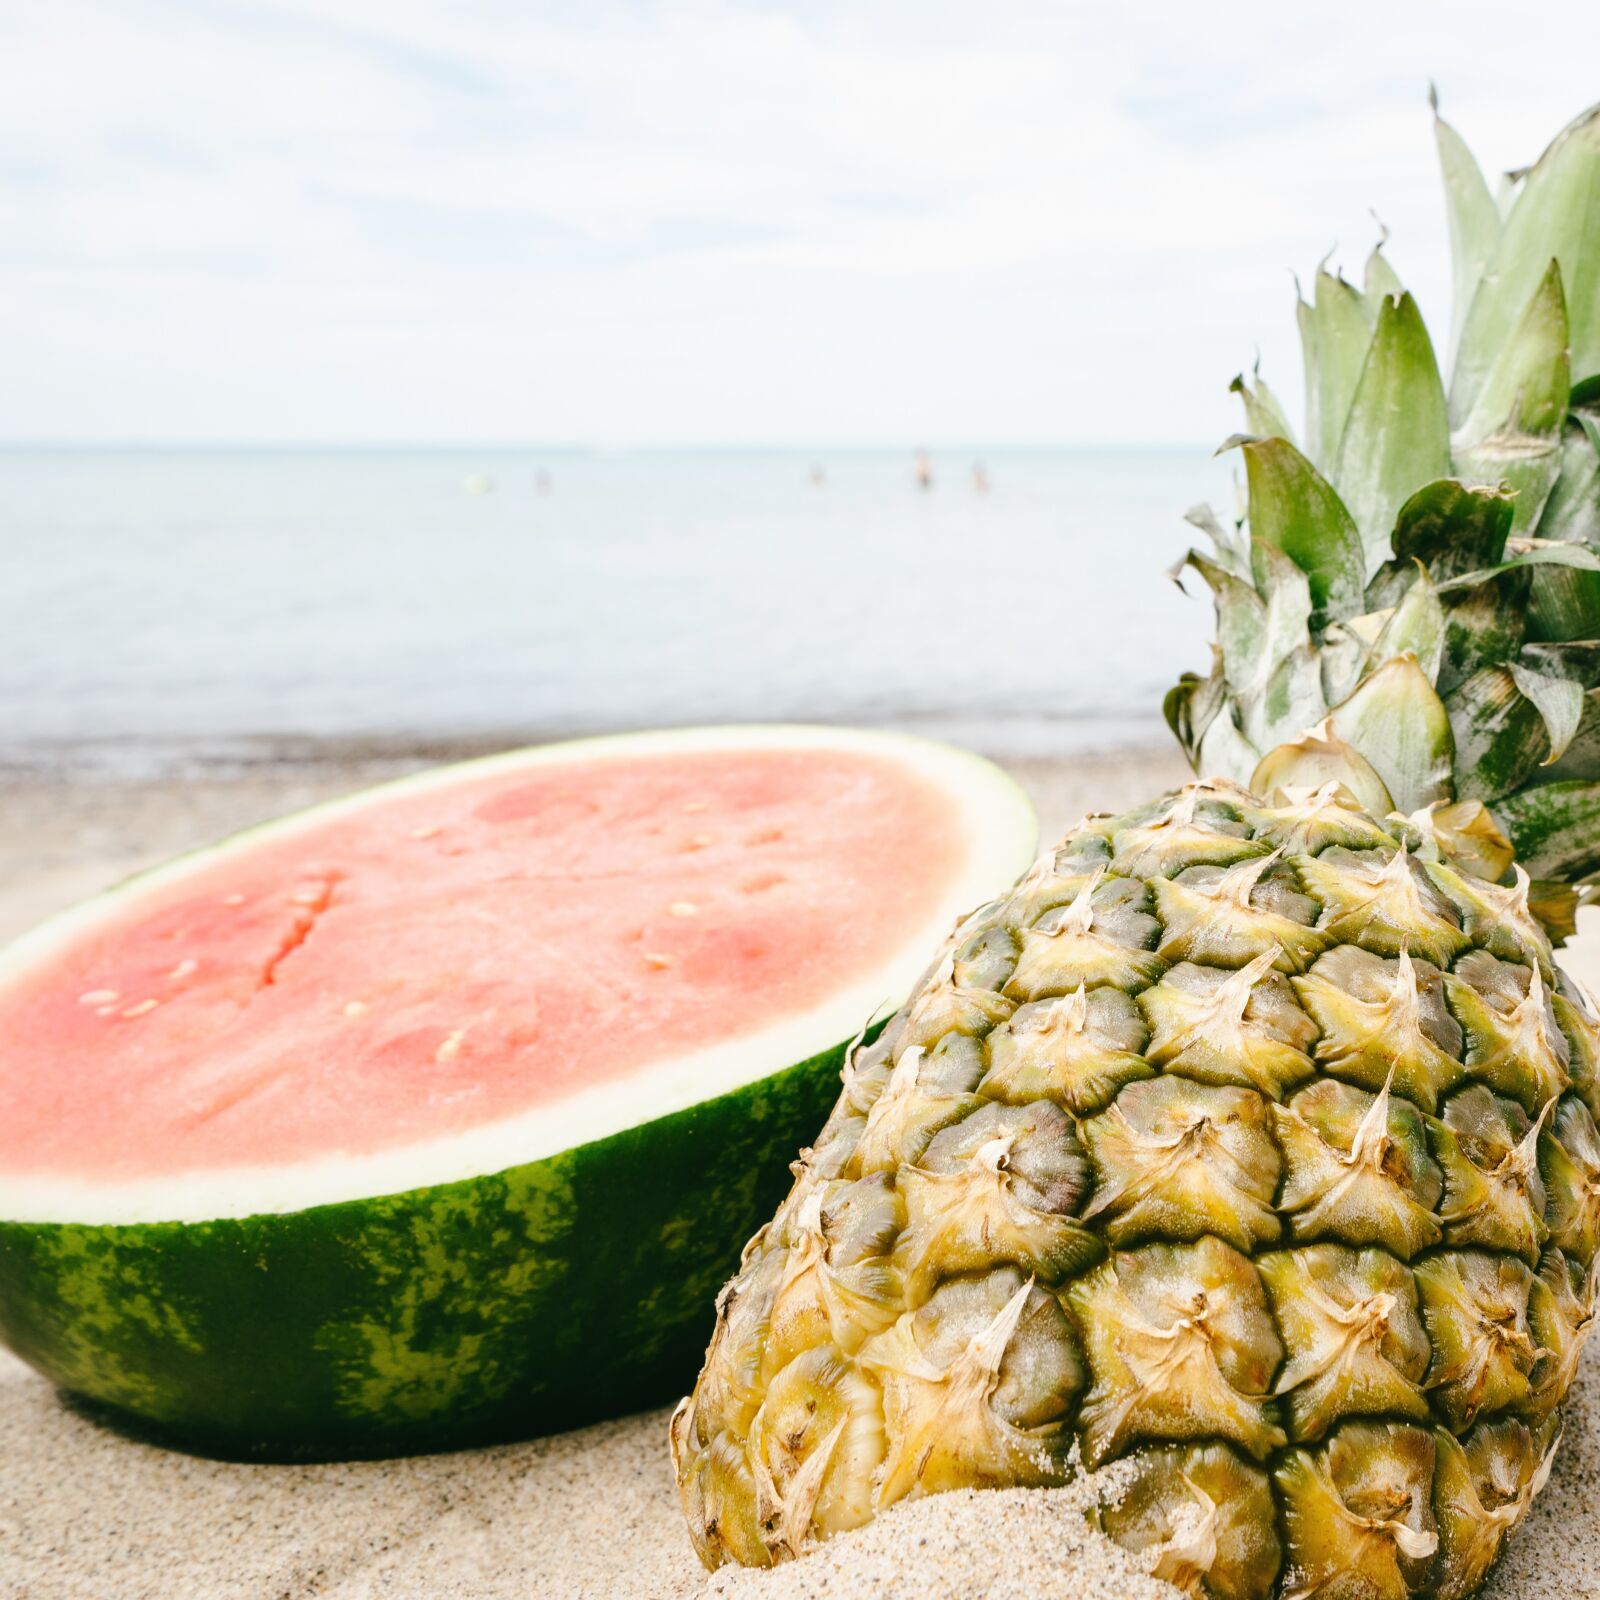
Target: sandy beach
[{"x": 88, "y": 1515}]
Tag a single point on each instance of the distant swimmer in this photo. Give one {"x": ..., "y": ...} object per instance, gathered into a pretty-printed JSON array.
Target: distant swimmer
[
  {"x": 980, "y": 477},
  {"x": 923, "y": 472},
  {"x": 818, "y": 475}
]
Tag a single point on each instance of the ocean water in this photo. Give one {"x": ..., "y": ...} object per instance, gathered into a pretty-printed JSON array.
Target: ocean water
[{"x": 187, "y": 605}]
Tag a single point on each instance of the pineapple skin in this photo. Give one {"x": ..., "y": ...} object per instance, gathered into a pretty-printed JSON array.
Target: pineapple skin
[{"x": 1246, "y": 1141}]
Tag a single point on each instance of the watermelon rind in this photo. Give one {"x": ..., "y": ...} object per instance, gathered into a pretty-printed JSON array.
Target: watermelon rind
[{"x": 452, "y": 1294}]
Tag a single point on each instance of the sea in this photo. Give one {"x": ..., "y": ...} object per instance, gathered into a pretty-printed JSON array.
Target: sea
[{"x": 163, "y": 608}]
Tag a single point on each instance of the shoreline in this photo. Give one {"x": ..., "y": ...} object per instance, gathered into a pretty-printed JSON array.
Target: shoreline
[{"x": 152, "y": 758}]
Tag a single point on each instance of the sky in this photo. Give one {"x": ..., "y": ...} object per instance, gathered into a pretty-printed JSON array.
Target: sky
[{"x": 704, "y": 224}]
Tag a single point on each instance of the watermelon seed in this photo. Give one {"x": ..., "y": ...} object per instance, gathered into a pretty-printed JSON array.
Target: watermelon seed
[
  {"x": 354, "y": 1008},
  {"x": 183, "y": 969},
  {"x": 143, "y": 1007},
  {"x": 425, "y": 833},
  {"x": 451, "y": 1046},
  {"x": 233, "y": 899},
  {"x": 684, "y": 908},
  {"x": 762, "y": 881},
  {"x": 98, "y": 997},
  {"x": 656, "y": 959}
]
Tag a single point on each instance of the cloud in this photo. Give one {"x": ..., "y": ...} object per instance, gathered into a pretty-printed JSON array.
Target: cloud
[{"x": 709, "y": 222}]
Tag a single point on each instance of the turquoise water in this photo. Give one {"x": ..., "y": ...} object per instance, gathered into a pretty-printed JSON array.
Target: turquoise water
[{"x": 168, "y": 604}]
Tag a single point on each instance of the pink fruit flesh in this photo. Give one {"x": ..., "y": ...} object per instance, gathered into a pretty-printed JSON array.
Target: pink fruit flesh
[{"x": 431, "y": 962}]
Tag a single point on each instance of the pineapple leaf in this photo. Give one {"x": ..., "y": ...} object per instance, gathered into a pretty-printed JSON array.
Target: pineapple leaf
[
  {"x": 1193, "y": 702},
  {"x": 1575, "y": 752},
  {"x": 1380, "y": 281},
  {"x": 1555, "y": 828},
  {"x": 1189, "y": 706},
  {"x": 1564, "y": 603},
  {"x": 1396, "y": 437},
  {"x": 1559, "y": 701},
  {"x": 1553, "y": 553},
  {"x": 1490, "y": 612},
  {"x": 1231, "y": 547},
  {"x": 1576, "y": 660},
  {"x": 1500, "y": 735},
  {"x": 1581, "y": 758},
  {"x": 1224, "y": 752},
  {"x": 1293, "y": 508},
  {"x": 1263, "y": 415},
  {"x": 1513, "y": 434},
  {"x": 1474, "y": 218},
  {"x": 1556, "y": 213},
  {"x": 1290, "y": 700},
  {"x": 1267, "y": 397},
  {"x": 1555, "y": 905},
  {"x": 1416, "y": 625},
  {"x": 1546, "y": 591},
  {"x": 1453, "y": 528},
  {"x": 1572, "y": 513},
  {"x": 1484, "y": 623},
  {"x": 1401, "y": 727},
  {"x": 1334, "y": 337},
  {"x": 1241, "y": 623},
  {"x": 1310, "y": 330},
  {"x": 1472, "y": 839},
  {"x": 1287, "y": 592},
  {"x": 1320, "y": 757},
  {"x": 1344, "y": 655},
  {"x": 1446, "y": 547}
]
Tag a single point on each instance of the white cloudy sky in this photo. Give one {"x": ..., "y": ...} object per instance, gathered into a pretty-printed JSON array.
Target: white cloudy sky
[{"x": 707, "y": 223}]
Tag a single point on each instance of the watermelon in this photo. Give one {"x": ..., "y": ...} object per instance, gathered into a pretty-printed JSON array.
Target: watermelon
[{"x": 436, "y": 1115}]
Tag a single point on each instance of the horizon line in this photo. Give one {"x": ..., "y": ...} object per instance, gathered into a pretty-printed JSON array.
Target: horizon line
[{"x": 632, "y": 447}]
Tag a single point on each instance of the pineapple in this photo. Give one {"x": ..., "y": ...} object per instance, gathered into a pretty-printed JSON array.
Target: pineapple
[{"x": 1250, "y": 1141}]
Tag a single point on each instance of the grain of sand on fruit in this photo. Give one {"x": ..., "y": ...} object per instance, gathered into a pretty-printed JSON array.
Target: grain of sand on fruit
[{"x": 590, "y": 1515}]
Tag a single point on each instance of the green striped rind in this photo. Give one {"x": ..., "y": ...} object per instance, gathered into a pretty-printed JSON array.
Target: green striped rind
[{"x": 559, "y": 1292}]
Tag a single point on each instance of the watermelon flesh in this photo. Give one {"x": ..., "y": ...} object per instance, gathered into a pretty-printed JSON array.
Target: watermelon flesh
[
  {"x": 530, "y": 970},
  {"x": 463, "y": 956}
]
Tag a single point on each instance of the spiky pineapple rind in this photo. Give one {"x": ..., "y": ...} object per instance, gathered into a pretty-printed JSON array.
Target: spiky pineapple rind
[{"x": 1302, "y": 1229}]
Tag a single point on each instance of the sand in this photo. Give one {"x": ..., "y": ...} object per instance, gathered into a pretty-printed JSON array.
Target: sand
[
  {"x": 1011, "y": 1544},
  {"x": 88, "y": 1515}
]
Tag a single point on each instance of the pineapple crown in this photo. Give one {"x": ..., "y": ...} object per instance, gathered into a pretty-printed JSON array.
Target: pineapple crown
[{"x": 1410, "y": 605}]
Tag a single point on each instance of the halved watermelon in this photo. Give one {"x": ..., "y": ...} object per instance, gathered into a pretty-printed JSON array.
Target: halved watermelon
[{"x": 437, "y": 1114}]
